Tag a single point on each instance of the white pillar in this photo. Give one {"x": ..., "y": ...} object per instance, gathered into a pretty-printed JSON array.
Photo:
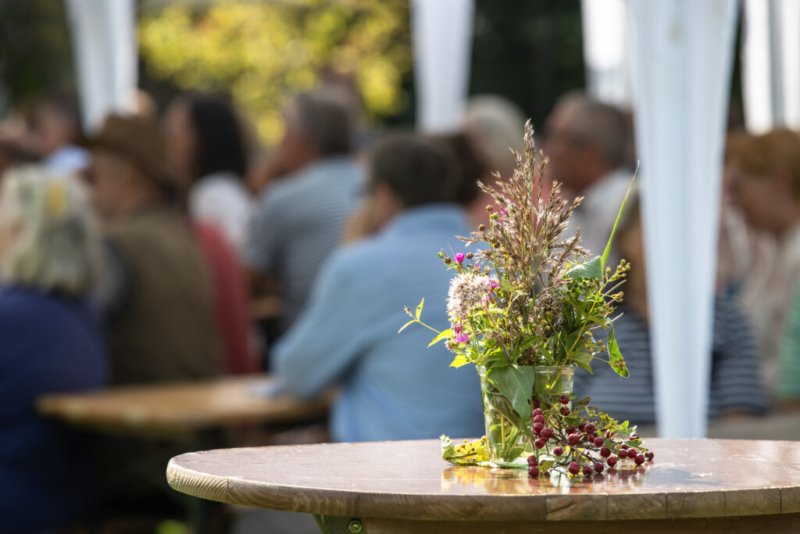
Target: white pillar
[
  {"x": 104, "y": 40},
  {"x": 771, "y": 64},
  {"x": 682, "y": 64},
  {"x": 606, "y": 51},
  {"x": 442, "y": 33}
]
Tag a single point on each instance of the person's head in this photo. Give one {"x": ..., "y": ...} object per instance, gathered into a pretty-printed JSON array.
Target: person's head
[
  {"x": 129, "y": 166},
  {"x": 497, "y": 126},
  {"x": 585, "y": 140},
  {"x": 205, "y": 137},
  {"x": 48, "y": 239},
  {"x": 55, "y": 122},
  {"x": 468, "y": 165},
  {"x": 763, "y": 175},
  {"x": 406, "y": 171},
  {"x": 316, "y": 126}
]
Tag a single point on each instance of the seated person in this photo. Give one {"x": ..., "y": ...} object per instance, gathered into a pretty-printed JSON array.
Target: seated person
[
  {"x": 392, "y": 387},
  {"x": 764, "y": 176},
  {"x": 300, "y": 219},
  {"x": 50, "y": 341},
  {"x": 735, "y": 387},
  {"x": 159, "y": 297}
]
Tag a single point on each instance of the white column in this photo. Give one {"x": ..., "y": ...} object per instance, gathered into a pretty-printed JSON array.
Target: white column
[
  {"x": 442, "y": 33},
  {"x": 682, "y": 64},
  {"x": 104, "y": 41},
  {"x": 771, "y": 64},
  {"x": 606, "y": 50}
]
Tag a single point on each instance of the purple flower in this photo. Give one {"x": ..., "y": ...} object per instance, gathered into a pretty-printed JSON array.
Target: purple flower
[
  {"x": 493, "y": 284},
  {"x": 462, "y": 338},
  {"x": 457, "y": 328},
  {"x": 460, "y": 257}
]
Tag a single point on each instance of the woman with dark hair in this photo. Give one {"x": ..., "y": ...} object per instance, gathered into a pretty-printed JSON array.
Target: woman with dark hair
[{"x": 208, "y": 153}]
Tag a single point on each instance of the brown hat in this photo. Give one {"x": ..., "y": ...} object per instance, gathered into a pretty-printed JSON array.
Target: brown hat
[{"x": 138, "y": 139}]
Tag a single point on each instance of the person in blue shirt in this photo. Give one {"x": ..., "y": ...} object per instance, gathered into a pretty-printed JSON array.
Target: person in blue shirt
[
  {"x": 50, "y": 341},
  {"x": 392, "y": 386}
]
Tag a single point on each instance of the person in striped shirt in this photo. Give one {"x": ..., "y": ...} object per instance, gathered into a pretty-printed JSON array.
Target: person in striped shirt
[{"x": 736, "y": 384}]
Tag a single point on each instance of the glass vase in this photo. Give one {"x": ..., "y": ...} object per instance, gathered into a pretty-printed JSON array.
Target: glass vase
[
  {"x": 505, "y": 432},
  {"x": 551, "y": 383}
]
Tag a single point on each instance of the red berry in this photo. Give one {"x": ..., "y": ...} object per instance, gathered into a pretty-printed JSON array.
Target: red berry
[
  {"x": 623, "y": 446},
  {"x": 563, "y": 399},
  {"x": 589, "y": 427},
  {"x": 532, "y": 460},
  {"x": 573, "y": 439},
  {"x": 564, "y": 411},
  {"x": 639, "y": 459},
  {"x": 539, "y": 443},
  {"x": 536, "y": 403},
  {"x": 598, "y": 441},
  {"x": 598, "y": 467},
  {"x": 624, "y": 453},
  {"x": 649, "y": 455},
  {"x": 605, "y": 452},
  {"x": 571, "y": 430},
  {"x": 547, "y": 433},
  {"x": 538, "y": 419},
  {"x": 537, "y": 427},
  {"x": 632, "y": 453},
  {"x": 533, "y": 471},
  {"x": 582, "y": 427},
  {"x": 537, "y": 411},
  {"x": 612, "y": 461},
  {"x": 558, "y": 451},
  {"x": 574, "y": 468},
  {"x": 587, "y": 471}
]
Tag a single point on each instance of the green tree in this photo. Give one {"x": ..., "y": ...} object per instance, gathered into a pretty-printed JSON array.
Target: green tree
[{"x": 262, "y": 52}]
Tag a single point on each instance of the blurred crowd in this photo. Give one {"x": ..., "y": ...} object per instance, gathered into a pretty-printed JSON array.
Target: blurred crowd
[{"x": 160, "y": 249}]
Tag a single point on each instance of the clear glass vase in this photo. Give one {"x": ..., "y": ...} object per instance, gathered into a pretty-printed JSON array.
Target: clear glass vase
[
  {"x": 505, "y": 431},
  {"x": 552, "y": 382}
]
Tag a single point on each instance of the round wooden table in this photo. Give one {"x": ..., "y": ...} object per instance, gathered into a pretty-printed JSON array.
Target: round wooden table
[{"x": 404, "y": 486}]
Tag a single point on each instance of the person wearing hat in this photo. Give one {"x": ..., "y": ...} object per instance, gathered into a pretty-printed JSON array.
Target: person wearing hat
[{"x": 159, "y": 295}]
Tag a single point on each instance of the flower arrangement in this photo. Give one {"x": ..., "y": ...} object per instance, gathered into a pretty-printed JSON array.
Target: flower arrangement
[{"x": 526, "y": 308}]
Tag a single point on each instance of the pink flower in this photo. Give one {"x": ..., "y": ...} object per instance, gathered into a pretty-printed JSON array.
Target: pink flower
[
  {"x": 493, "y": 284},
  {"x": 457, "y": 328},
  {"x": 460, "y": 257},
  {"x": 462, "y": 338}
]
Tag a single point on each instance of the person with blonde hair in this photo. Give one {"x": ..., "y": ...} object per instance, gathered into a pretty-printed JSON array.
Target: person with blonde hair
[{"x": 51, "y": 342}]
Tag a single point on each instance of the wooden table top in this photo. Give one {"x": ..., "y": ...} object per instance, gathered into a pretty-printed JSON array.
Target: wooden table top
[
  {"x": 176, "y": 408},
  {"x": 408, "y": 480}
]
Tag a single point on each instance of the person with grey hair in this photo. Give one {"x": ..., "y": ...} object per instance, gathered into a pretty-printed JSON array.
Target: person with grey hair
[
  {"x": 51, "y": 341},
  {"x": 300, "y": 220},
  {"x": 588, "y": 144}
]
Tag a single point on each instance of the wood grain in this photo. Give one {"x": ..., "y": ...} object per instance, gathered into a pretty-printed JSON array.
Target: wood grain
[
  {"x": 183, "y": 408},
  {"x": 690, "y": 481}
]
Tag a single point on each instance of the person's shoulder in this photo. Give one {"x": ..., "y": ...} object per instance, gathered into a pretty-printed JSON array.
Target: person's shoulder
[{"x": 20, "y": 307}]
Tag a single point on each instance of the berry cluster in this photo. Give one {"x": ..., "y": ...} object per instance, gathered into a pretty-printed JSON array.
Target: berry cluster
[{"x": 581, "y": 440}]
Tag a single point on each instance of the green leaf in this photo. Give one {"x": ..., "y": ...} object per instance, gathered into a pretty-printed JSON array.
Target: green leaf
[
  {"x": 515, "y": 383},
  {"x": 615, "y": 358},
  {"x": 444, "y": 334},
  {"x": 459, "y": 361},
  {"x": 409, "y": 323},
  {"x": 592, "y": 269},
  {"x": 607, "y": 250},
  {"x": 421, "y": 304},
  {"x": 584, "y": 361}
]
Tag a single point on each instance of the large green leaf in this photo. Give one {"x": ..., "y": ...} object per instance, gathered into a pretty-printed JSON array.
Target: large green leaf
[
  {"x": 615, "y": 358},
  {"x": 515, "y": 383},
  {"x": 589, "y": 269}
]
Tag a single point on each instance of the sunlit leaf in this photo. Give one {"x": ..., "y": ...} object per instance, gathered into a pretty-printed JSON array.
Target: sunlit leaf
[
  {"x": 409, "y": 323},
  {"x": 421, "y": 305},
  {"x": 515, "y": 383},
  {"x": 444, "y": 334},
  {"x": 615, "y": 358},
  {"x": 459, "y": 361},
  {"x": 592, "y": 269},
  {"x": 607, "y": 250}
]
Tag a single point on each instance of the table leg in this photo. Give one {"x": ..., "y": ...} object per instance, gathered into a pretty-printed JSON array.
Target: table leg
[{"x": 339, "y": 525}]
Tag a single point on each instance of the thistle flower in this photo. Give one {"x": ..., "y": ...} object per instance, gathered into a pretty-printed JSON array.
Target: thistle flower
[
  {"x": 467, "y": 292},
  {"x": 460, "y": 257}
]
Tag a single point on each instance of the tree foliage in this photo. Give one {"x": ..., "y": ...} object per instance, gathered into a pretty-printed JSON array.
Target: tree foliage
[{"x": 261, "y": 52}]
